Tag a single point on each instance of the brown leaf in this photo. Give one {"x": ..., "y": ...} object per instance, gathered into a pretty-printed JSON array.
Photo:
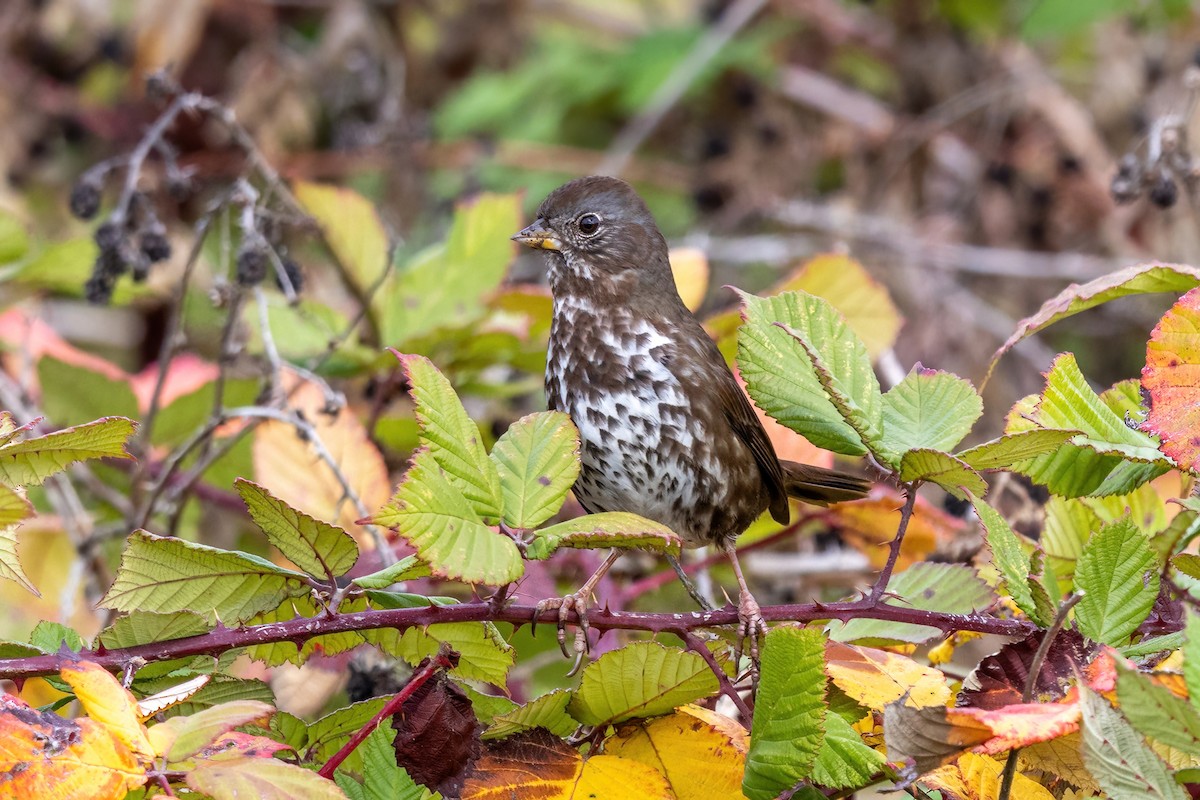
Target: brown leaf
[
  {"x": 437, "y": 735},
  {"x": 1000, "y": 678},
  {"x": 928, "y": 737}
]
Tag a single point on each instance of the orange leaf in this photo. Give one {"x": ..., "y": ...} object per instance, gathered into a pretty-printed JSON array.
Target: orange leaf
[
  {"x": 1022, "y": 724},
  {"x": 108, "y": 703},
  {"x": 1171, "y": 378},
  {"x": 876, "y": 678},
  {"x": 702, "y": 753},
  {"x": 540, "y": 765},
  {"x": 290, "y": 468},
  {"x": 45, "y": 756},
  {"x": 870, "y": 525}
]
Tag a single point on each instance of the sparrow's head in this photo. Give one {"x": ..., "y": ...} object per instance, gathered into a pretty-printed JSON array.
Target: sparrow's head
[{"x": 598, "y": 229}]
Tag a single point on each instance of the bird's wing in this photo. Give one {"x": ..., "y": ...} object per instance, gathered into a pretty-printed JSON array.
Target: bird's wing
[{"x": 749, "y": 429}]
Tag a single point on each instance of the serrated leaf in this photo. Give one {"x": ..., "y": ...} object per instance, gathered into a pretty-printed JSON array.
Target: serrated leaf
[
  {"x": 406, "y": 569},
  {"x": 1191, "y": 657},
  {"x": 1118, "y": 757},
  {"x": 929, "y": 410},
  {"x": 432, "y": 514},
  {"x": 193, "y": 733},
  {"x": 1107, "y": 457},
  {"x": 778, "y": 372},
  {"x": 1007, "y": 450},
  {"x": 381, "y": 778},
  {"x": 844, "y": 761},
  {"x": 945, "y": 588},
  {"x": 52, "y": 637},
  {"x": 446, "y": 285},
  {"x": 1010, "y": 559},
  {"x": 1170, "y": 381},
  {"x": 263, "y": 778},
  {"x": 13, "y": 507},
  {"x": 10, "y": 563},
  {"x": 642, "y": 679},
  {"x": 318, "y": 548},
  {"x": 858, "y": 297},
  {"x": 1157, "y": 713},
  {"x": 1140, "y": 279},
  {"x": 73, "y": 394},
  {"x": 31, "y": 461},
  {"x": 948, "y": 472},
  {"x": 144, "y": 627},
  {"x": 352, "y": 228},
  {"x": 790, "y": 712},
  {"x": 1069, "y": 524},
  {"x": 537, "y": 460},
  {"x": 548, "y": 711},
  {"x": 451, "y": 437},
  {"x": 163, "y": 574},
  {"x": 327, "y": 734},
  {"x": 855, "y": 392},
  {"x": 608, "y": 529},
  {"x": 1119, "y": 575}
]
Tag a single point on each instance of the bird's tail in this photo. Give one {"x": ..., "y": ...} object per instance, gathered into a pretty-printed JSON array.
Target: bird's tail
[{"x": 821, "y": 486}]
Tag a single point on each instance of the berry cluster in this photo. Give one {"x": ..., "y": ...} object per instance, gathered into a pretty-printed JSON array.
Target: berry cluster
[
  {"x": 130, "y": 241},
  {"x": 1166, "y": 163}
]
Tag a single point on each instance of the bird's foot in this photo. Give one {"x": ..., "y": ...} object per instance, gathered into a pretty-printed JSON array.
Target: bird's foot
[
  {"x": 750, "y": 626},
  {"x": 577, "y": 602}
]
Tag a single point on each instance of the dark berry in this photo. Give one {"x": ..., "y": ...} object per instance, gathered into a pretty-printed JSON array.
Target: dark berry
[
  {"x": 155, "y": 245},
  {"x": 1164, "y": 192},
  {"x": 108, "y": 236},
  {"x": 140, "y": 267},
  {"x": 179, "y": 186},
  {"x": 1001, "y": 173},
  {"x": 98, "y": 289},
  {"x": 85, "y": 198},
  {"x": 1069, "y": 165},
  {"x": 251, "y": 265},
  {"x": 294, "y": 276},
  {"x": 113, "y": 263}
]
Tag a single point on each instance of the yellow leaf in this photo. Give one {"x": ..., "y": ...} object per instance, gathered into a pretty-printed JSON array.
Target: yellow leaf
[
  {"x": 291, "y": 469},
  {"x": 876, "y": 678},
  {"x": 849, "y": 288},
  {"x": 539, "y": 765},
  {"x": 45, "y": 756},
  {"x": 351, "y": 226},
  {"x": 1062, "y": 758},
  {"x": 702, "y": 753},
  {"x": 109, "y": 704},
  {"x": 690, "y": 266},
  {"x": 975, "y": 777}
]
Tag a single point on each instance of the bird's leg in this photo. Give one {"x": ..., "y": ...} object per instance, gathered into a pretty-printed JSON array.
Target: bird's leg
[
  {"x": 750, "y": 621},
  {"x": 577, "y": 602}
]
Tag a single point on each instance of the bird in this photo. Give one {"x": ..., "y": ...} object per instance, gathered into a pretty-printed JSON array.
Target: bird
[{"x": 665, "y": 429}]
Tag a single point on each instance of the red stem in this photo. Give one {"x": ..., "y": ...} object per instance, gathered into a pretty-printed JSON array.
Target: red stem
[
  {"x": 440, "y": 661},
  {"x": 302, "y": 629},
  {"x": 910, "y": 502}
]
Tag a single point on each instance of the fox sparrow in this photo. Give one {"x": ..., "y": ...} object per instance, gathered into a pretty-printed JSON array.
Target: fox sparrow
[{"x": 665, "y": 430}]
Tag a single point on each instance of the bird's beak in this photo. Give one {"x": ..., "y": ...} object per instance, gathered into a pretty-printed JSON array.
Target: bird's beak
[{"x": 538, "y": 236}]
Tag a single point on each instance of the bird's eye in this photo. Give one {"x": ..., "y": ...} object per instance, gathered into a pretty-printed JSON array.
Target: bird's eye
[{"x": 588, "y": 224}]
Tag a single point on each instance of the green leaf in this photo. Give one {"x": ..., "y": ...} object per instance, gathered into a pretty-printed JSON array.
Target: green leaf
[
  {"x": 446, "y": 285},
  {"x": 352, "y": 228},
  {"x": 146, "y": 627},
  {"x": 318, "y": 548},
  {"x": 1107, "y": 457},
  {"x": 1119, "y": 759},
  {"x": 1118, "y": 573},
  {"x": 14, "y": 242},
  {"x": 930, "y": 410},
  {"x": 1069, "y": 524},
  {"x": 179, "y": 419},
  {"x": 381, "y": 778},
  {"x": 945, "y": 588},
  {"x": 537, "y": 460},
  {"x": 221, "y": 689},
  {"x": 790, "y": 712},
  {"x": 548, "y": 711},
  {"x": 13, "y": 507},
  {"x": 608, "y": 529},
  {"x": 73, "y": 394},
  {"x": 10, "y": 563},
  {"x": 1141, "y": 279},
  {"x": 844, "y": 761},
  {"x": 1010, "y": 559},
  {"x": 432, "y": 514},
  {"x": 406, "y": 569},
  {"x": 1057, "y": 18},
  {"x": 31, "y": 461},
  {"x": 51, "y": 636},
  {"x": 1007, "y": 450},
  {"x": 451, "y": 437},
  {"x": 163, "y": 574},
  {"x": 327, "y": 735},
  {"x": 1191, "y": 657},
  {"x": 854, "y": 392},
  {"x": 778, "y": 371},
  {"x": 197, "y": 731},
  {"x": 642, "y": 679},
  {"x": 1157, "y": 713},
  {"x": 952, "y": 474},
  {"x": 484, "y": 655},
  {"x": 262, "y": 778}
]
